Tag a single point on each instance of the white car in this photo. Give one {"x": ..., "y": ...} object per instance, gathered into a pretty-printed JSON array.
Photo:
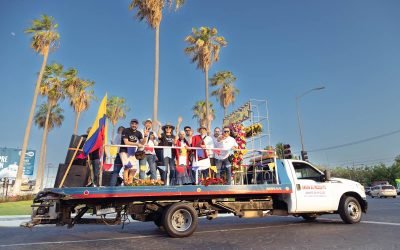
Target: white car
[{"x": 383, "y": 191}]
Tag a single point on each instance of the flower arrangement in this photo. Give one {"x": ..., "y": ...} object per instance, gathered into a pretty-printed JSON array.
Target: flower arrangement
[
  {"x": 253, "y": 130},
  {"x": 239, "y": 135},
  {"x": 147, "y": 182},
  {"x": 212, "y": 181}
]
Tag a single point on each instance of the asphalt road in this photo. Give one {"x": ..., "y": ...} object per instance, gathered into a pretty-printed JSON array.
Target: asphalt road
[{"x": 379, "y": 230}]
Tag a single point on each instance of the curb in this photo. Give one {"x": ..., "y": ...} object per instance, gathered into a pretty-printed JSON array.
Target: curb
[{"x": 14, "y": 217}]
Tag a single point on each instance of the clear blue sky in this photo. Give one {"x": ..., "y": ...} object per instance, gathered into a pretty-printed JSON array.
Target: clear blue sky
[{"x": 276, "y": 49}]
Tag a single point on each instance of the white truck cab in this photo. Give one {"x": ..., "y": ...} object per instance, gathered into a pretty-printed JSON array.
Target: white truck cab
[{"x": 315, "y": 192}]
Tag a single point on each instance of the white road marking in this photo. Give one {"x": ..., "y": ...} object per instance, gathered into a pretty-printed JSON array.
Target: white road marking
[
  {"x": 381, "y": 223},
  {"x": 76, "y": 241},
  {"x": 198, "y": 232},
  {"x": 139, "y": 237},
  {"x": 366, "y": 222}
]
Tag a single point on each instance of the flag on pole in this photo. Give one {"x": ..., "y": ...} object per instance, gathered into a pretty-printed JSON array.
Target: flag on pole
[{"x": 98, "y": 133}]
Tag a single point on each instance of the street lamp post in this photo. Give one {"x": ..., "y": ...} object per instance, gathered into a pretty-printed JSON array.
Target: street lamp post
[{"x": 298, "y": 113}]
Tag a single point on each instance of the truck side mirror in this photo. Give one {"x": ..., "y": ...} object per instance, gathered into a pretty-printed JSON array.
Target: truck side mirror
[{"x": 327, "y": 174}]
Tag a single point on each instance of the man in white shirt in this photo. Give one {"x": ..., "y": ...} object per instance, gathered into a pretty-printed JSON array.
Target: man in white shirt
[
  {"x": 149, "y": 141},
  {"x": 227, "y": 144}
]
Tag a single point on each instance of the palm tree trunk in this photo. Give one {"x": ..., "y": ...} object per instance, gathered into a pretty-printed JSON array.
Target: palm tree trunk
[
  {"x": 113, "y": 134},
  {"x": 77, "y": 115},
  {"x": 42, "y": 163},
  {"x": 18, "y": 180},
  {"x": 156, "y": 64},
  {"x": 207, "y": 116},
  {"x": 224, "y": 112}
]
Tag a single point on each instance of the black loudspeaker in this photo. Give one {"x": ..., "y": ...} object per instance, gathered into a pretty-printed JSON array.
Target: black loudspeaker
[
  {"x": 74, "y": 144},
  {"x": 77, "y": 176}
]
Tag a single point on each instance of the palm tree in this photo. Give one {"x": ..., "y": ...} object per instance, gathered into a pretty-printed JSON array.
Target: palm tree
[
  {"x": 204, "y": 47},
  {"x": 279, "y": 150},
  {"x": 44, "y": 39},
  {"x": 116, "y": 110},
  {"x": 41, "y": 118},
  {"x": 79, "y": 93},
  {"x": 56, "y": 116},
  {"x": 226, "y": 93},
  {"x": 151, "y": 10},
  {"x": 200, "y": 113},
  {"x": 52, "y": 88}
]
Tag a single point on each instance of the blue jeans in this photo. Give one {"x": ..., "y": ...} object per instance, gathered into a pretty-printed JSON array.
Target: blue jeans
[
  {"x": 169, "y": 163},
  {"x": 151, "y": 160},
  {"x": 116, "y": 170},
  {"x": 226, "y": 166}
]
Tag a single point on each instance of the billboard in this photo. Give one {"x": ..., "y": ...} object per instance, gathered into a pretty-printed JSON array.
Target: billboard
[{"x": 9, "y": 159}]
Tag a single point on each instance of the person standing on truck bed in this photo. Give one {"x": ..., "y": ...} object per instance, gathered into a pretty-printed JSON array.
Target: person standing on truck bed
[
  {"x": 226, "y": 143},
  {"x": 201, "y": 156},
  {"x": 117, "y": 162},
  {"x": 167, "y": 138},
  {"x": 149, "y": 141},
  {"x": 132, "y": 137},
  {"x": 182, "y": 160},
  {"x": 214, "y": 137}
]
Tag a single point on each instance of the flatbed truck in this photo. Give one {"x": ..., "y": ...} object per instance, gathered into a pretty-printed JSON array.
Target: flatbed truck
[{"x": 294, "y": 188}]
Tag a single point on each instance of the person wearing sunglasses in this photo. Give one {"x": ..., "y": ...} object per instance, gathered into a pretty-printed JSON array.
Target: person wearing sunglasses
[
  {"x": 227, "y": 144},
  {"x": 188, "y": 134}
]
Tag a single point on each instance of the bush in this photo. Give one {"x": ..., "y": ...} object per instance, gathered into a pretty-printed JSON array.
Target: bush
[{"x": 11, "y": 198}]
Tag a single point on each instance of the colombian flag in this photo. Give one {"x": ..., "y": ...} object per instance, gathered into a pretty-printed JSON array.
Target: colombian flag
[{"x": 98, "y": 134}]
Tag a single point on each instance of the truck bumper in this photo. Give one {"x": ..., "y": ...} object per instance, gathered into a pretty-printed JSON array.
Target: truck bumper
[{"x": 364, "y": 205}]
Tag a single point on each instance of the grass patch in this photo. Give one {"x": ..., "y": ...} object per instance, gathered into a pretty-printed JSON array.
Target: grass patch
[{"x": 16, "y": 208}]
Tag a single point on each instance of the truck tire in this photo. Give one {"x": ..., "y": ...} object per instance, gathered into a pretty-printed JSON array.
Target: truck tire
[
  {"x": 350, "y": 210},
  {"x": 180, "y": 220},
  {"x": 309, "y": 217}
]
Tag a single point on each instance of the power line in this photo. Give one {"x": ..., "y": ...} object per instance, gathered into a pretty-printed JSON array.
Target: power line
[
  {"x": 355, "y": 142},
  {"x": 364, "y": 162}
]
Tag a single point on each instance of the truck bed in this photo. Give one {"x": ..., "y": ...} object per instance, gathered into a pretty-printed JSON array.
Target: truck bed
[{"x": 150, "y": 193}]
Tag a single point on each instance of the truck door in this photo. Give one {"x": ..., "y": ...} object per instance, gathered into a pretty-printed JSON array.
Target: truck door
[{"x": 312, "y": 193}]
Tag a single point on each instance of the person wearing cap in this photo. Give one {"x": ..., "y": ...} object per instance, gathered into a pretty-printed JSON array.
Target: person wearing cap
[
  {"x": 149, "y": 141},
  {"x": 204, "y": 141},
  {"x": 167, "y": 138},
  {"x": 217, "y": 133},
  {"x": 132, "y": 137},
  {"x": 227, "y": 144}
]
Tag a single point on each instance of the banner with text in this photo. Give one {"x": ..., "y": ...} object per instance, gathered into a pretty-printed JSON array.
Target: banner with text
[
  {"x": 240, "y": 115},
  {"x": 9, "y": 159}
]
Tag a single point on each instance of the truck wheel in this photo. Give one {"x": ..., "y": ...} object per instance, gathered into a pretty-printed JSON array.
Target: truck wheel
[
  {"x": 309, "y": 217},
  {"x": 350, "y": 210},
  {"x": 180, "y": 220}
]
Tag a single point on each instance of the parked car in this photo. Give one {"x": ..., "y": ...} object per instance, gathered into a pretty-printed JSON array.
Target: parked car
[
  {"x": 368, "y": 190},
  {"x": 398, "y": 191},
  {"x": 383, "y": 191}
]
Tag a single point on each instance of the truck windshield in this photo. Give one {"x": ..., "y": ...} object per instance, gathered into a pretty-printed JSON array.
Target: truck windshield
[{"x": 305, "y": 171}]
